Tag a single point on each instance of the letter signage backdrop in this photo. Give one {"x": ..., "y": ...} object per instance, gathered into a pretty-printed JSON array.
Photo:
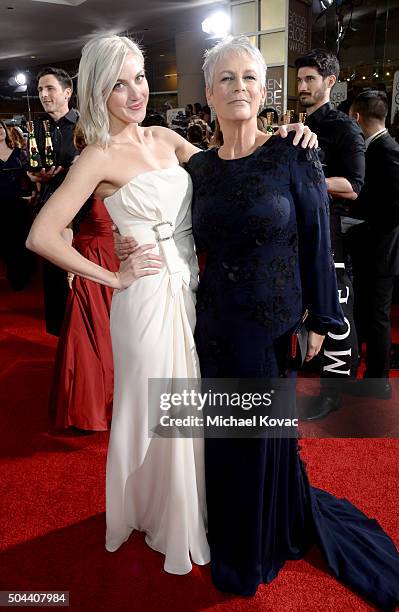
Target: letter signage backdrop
[
  {"x": 299, "y": 28},
  {"x": 339, "y": 93},
  {"x": 275, "y": 88},
  {"x": 395, "y": 95}
]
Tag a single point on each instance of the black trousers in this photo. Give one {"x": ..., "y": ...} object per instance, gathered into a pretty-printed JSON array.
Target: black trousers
[
  {"x": 378, "y": 332},
  {"x": 376, "y": 272},
  {"x": 55, "y": 289},
  {"x": 339, "y": 358},
  {"x": 20, "y": 263}
]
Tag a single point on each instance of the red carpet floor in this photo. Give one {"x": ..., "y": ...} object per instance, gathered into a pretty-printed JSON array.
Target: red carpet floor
[{"x": 52, "y": 521}]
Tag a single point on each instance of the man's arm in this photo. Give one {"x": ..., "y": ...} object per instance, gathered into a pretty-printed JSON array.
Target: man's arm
[
  {"x": 351, "y": 150},
  {"x": 340, "y": 187}
]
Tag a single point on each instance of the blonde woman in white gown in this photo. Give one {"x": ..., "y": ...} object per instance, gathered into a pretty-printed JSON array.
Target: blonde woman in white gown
[{"x": 155, "y": 485}]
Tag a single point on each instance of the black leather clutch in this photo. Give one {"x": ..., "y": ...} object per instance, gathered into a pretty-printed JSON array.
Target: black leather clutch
[{"x": 299, "y": 343}]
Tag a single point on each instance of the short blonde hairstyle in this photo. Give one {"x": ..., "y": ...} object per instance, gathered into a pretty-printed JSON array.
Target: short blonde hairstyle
[
  {"x": 236, "y": 44},
  {"x": 100, "y": 65}
]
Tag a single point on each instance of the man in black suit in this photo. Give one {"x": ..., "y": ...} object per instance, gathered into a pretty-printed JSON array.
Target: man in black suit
[{"x": 377, "y": 239}]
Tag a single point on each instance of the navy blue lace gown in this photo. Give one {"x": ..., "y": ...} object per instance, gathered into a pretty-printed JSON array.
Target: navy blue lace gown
[{"x": 263, "y": 222}]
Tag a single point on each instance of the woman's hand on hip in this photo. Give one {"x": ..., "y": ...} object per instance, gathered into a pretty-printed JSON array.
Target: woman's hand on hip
[{"x": 138, "y": 264}]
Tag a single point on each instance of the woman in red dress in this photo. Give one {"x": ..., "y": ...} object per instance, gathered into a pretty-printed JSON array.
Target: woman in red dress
[{"x": 82, "y": 386}]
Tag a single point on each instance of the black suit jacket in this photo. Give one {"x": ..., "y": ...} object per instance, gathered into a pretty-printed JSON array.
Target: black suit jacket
[{"x": 378, "y": 203}]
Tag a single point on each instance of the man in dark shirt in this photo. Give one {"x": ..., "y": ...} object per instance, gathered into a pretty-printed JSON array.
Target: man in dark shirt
[
  {"x": 377, "y": 240},
  {"x": 341, "y": 153},
  {"x": 55, "y": 89}
]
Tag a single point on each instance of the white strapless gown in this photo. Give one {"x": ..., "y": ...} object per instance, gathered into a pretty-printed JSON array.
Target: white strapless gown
[{"x": 155, "y": 485}]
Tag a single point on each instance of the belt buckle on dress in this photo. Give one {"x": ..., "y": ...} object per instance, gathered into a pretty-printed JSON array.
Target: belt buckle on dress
[{"x": 164, "y": 230}]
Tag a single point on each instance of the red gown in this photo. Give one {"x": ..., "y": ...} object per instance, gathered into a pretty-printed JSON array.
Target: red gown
[{"x": 83, "y": 379}]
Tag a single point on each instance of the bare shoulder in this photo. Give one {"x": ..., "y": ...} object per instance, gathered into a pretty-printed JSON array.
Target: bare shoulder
[
  {"x": 94, "y": 161},
  {"x": 89, "y": 170},
  {"x": 94, "y": 154}
]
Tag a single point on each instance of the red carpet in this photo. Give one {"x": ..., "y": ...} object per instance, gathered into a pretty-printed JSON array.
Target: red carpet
[{"x": 52, "y": 522}]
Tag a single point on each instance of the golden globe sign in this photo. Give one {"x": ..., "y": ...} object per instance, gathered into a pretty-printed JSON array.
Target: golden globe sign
[
  {"x": 339, "y": 93},
  {"x": 275, "y": 88},
  {"x": 299, "y": 29}
]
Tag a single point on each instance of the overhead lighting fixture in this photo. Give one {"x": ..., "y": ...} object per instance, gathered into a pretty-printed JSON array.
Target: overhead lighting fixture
[
  {"x": 388, "y": 73},
  {"x": 217, "y": 24},
  {"x": 162, "y": 55},
  {"x": 66, "y": 2},
  {"x": 20, "y": 78},
  {"x": 364, "y": 78}
]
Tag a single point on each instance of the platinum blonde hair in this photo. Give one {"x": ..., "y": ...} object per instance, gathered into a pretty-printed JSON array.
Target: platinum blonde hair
[
  {"x": 99, "y": 68},
  {"x": 231, "y": 44}
]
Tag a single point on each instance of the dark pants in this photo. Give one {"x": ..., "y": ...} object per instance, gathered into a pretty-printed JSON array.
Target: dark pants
[
  {"x": 375, "y": 274},
  {"x": 19, "y": 262},
  {"x": 378, "y": 334},
  {"x": 55, "y": 288},
  {"x": 339, "y": 359}
]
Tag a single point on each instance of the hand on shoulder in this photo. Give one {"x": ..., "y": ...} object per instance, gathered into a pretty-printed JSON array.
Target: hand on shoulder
[{"x": 302, "y": 134}]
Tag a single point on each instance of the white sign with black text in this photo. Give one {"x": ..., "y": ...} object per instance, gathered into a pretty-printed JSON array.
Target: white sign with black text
[{"x": 339, "y": 93}]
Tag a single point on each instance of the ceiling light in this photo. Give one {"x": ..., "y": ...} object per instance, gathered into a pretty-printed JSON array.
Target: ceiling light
[
  {"x": 364, "y": 78},
  {"x": 217, "y": 24},
  {"x": 162, "y": 55},
  {"x": 387, "y": 73},
  {"x": 20, "y": 78}
]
